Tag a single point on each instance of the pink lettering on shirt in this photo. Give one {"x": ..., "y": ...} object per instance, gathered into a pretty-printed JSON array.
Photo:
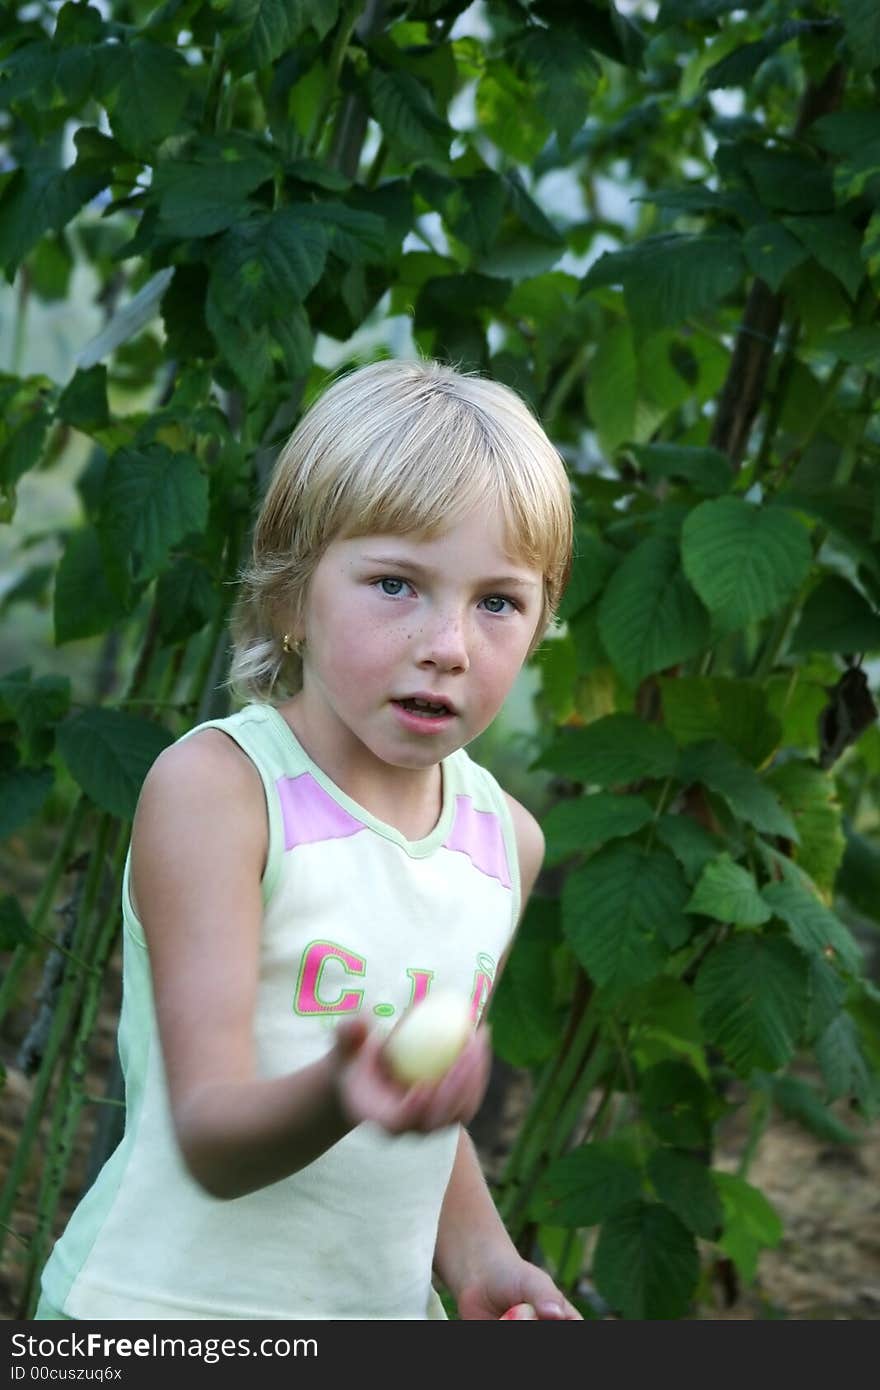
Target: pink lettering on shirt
[{"x": 307, "y": 999}]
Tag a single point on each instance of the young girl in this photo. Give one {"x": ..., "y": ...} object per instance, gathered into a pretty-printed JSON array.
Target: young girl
[{"x": 302, "y": 872}]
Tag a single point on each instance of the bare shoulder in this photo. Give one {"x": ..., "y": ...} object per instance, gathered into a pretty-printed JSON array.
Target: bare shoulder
[
  {"x": 201, "y": 793},
  {"x": 530, "y": 844}
]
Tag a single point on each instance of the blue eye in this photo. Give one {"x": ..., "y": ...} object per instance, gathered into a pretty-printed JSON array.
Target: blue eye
[
  {"x": 499, "y": 598},
  {"x": 390, "y": 579}
]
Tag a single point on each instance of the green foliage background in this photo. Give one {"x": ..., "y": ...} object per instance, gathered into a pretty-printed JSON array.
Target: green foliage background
[{"x": 661, "y": 224}]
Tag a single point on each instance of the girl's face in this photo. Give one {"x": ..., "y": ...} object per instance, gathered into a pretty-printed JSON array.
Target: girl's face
[{"x": 390, "y": 617}]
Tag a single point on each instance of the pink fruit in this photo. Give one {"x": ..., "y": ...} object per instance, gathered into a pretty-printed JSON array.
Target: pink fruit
[{"x": 520, "y": 1312}]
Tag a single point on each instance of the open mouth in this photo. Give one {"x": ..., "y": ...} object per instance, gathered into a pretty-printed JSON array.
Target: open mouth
[{"x": 424, "y": 708}]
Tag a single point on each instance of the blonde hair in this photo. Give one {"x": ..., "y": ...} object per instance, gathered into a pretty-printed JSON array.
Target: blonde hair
[{"x": 395, "y": 447}]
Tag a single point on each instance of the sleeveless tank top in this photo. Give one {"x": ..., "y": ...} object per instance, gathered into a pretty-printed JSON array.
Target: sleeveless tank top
[{"x": 356, "y": 919}]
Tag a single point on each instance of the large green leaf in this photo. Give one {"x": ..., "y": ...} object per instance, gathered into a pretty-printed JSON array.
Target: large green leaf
[
  {"x": 405, "y": 110},
  {"x": 708, "y": 469},
  {"x": 85, "y": 602},
  {"x": 264, "y": 29},
  {"x": 109, "y": 753},
  {"x": 663, "y": 1024},
  {"x": 744, "y": 561},
  {"x": 728, "y": 892},
  {"x": 719, "y": 768},
  {"x": 845, "y": 1070},
  {"x": 649, "y": 616},
  {"x": 696, "y": 708},
  {"x": 613, "y": 391},
  {"x": 39, "y": 199},
  {"x": 835, "y": 244},
  {"x": 581, "y": 823},
  {"x": 772, "y": 252},
  {"x": 690, "y": 842},
  {"x": 525, "y": 1019},
  {"x": 36, "y": 704},
  {"x": 828, "y": 990},
  {"x": 861, "y": 22},
  {"x": 812, "y": 798},
  {"x": 750, "y": 1223},
  {"x": 145, "y": 86},
  {"x": 612, "y": 751},
  {"x": 679, "y": 1105},
  {"x": 752, "y": 996},
  {"x": 586, "y": 1186},
  {"x": 23, "y": 791},
  {"x": 269, "y": 260},
  {"x": 623, "y": 912},
  {"x": 859, "y": 874},
  {"x": 152, "y": 498},
  {"x": 685, "y": 1185},
  {"x": 646, "y": 1263},
  {"x": 592, "y": 562},
  {"x": 837, "y": 618},
  {"x": 565, "y": 73},
  {"x": 204, "y": 189},
  {"x": 668, "y": 278},
  {"x": 14, "y": 926},
  {"x": 812, "y": 925}
]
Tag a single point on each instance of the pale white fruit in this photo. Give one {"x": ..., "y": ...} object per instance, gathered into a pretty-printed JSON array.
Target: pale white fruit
[{"x": 429, "y": 1038}]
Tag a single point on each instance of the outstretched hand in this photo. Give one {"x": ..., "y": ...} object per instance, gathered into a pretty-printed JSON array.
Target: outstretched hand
[{"x": 367, "y": 1090}]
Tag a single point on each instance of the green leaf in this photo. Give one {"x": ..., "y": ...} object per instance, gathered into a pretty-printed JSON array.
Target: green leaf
[
  {"x": 744, "y": 561},
  {"x": 592, "y": 562},
  {"x": 811, "y": 796},
  {"x": 83, "y": 402},
  {"x": 264, "y": 29},
  {"x": 477, "y": 210},
  {"x": 692, "y": 845},
  {"x": 812, "y": 925},
  {"x": 701, "y": 707},
  {"x": 844, "y": 1068},
  {"x": 271, "y": 259},
  {"x": 861, "y": 23},
  {"x": 717, "y": 767},
  {"x": 108, "y": 754},
  {"x": 565, "y": 73},
  {"x": 738, "y": 68},
  {"x": 835, "y": 244},
  {"x": 708, "y": 469},
  {"x": 664, "y": 1024},
  {"x": 649, "y": 616},
  {"x": 85, "y": 603},
  {"x": 798, "y": 1101},
  {"x": 37, "y": 200},
  {"x": 14, "y": 927},
  {"x": 508, "y": 111},
  {"x": 752, "y": 996},
  {"x": 152, "y": 498},
  {"x": 581, "y": 823},
  {"x": 789, "y": 182},
  {"x": 526, "y": 1022},
  {"x": 623, "y": 912},
  {"x": 668, "y": 279},
  {"x": 646, "y": 1263},
  {"x": 204, "y": 189},
  {"x": 827, "y": 995},
  {"x": 36, "y": 705},
  {"x": 837, "y": 618},
  {"x": 612, "y": 751},
  {"x": 685, "y": 1185},
  {"x": 750, "y": 1223},
  {"x": 728, "y": 892},
  {"x": 187, "y": 599},
  {"x": 859, "y": 873},
  {"x": 406, "y": 112},
  {"x": 145, "y": 86},
  {"x": 586, "y": 1186},
  {"x": 772, "y": 252},
  {"x": 23, "y": 791},
  {"x": 679, "y": 1105},
  {"x": 612, "y": 394}
]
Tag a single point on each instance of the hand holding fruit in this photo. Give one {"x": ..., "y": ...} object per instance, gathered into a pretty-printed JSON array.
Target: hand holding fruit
[{"x": 413, "y": 1081}]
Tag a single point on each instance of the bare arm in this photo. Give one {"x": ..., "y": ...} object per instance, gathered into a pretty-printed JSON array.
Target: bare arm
[
  {"x": 474, "y": 1255},
  {"x": 199, "y": 846}
]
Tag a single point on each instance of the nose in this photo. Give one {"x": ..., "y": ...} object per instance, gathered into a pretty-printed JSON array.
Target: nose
[{"x": 443, "y": 642}]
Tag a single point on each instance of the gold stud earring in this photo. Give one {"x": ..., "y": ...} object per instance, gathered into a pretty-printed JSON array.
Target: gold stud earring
[{"x": 289, "y": 645}]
